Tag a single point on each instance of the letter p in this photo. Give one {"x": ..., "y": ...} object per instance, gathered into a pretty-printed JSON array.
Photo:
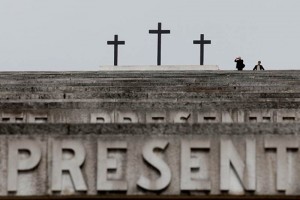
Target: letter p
[{"x": 15, "y": 163}]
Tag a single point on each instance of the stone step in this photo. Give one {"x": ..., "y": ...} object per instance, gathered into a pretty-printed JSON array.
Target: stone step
[
  {"x": 166, "y": 83},
  {"x": 222, "y": 85},
  {"x": 217, "y": 104},
  {"x": 163, "y": 82},
  {"x": 172, "y": 88},
  {"x": 66, "y": 77},
  {"x": 145, "y": 95},
  {"x": 237, "y": 129}
]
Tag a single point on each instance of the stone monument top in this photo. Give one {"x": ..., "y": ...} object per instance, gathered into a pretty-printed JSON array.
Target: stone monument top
[{"x": 159, "y": 68}]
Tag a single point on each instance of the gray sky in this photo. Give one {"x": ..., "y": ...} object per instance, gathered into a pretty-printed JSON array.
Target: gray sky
[{"x": 72, "y": 34}]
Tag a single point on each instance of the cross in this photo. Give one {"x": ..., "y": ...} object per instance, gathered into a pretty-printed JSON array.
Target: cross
[
  {"x": 202, "y": 42},
  {"x": 116, "y": 43},
  {"x": 159, "y": 31}
]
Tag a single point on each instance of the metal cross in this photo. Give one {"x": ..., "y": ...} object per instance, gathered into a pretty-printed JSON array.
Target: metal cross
[
  {"x": 202, "y": 42},
  {"x": 159, "y": 31},
  {"x": 116, "y": 43}
]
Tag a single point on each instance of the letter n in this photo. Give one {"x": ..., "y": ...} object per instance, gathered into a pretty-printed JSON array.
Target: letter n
[{"x": 230, "y": 157}]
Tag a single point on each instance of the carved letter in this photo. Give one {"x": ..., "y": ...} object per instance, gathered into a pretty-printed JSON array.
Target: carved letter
[
  {"x": 104, "y": 163},
  {"x": 103, "y": 117},
  {"x": 164, "y": 180},
  {"x": 188, "y": 163},
  {"x": 182, "y": 117},
  {"x": 230, "y": 157},
  {"x": 281, "y": 146},
  {"x": 71, "y": 165},
  {"x": 127, "y": 117},
  {"x": 16, "y": 164}
]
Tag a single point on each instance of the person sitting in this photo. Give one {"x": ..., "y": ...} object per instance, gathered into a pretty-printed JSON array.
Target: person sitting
[
  {"x": 239, "y": 63},
  {"x": 258, "y": 67}
]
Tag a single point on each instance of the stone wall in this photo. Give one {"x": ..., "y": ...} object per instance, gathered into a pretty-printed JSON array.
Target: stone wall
[
  {"x": 150, "y": 159},
  {"x": 133, "y": 97},
  {"x": 182, "y": 133},
  {"x": 163, "y": 115}
]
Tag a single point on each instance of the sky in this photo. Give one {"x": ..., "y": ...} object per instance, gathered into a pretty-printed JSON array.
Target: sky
[{"x": 71, "y": 35}]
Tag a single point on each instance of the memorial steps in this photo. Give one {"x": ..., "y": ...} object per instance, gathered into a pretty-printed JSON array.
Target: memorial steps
[
  {"x": 209, "y": 84},
  {"x": 151, "y": 87},
  {"x": 165, "y": 84},
  {"x": 215, "y": 81},
  {"x": 200, "y": 84},
  {"x": 150, "y": 96},
  {"x": 55, "y": 95}
]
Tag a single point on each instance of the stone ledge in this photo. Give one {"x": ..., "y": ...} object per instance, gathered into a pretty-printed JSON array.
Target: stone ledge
[
  {"x": 160, "y": 68},
  {"x": 213, "y": 129}
]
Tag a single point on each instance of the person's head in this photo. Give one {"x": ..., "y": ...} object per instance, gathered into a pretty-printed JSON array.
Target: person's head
[{"x": 259, "y": 62}]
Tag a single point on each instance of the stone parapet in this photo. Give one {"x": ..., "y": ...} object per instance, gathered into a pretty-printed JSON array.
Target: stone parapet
[{"x": 155, "y": 68}]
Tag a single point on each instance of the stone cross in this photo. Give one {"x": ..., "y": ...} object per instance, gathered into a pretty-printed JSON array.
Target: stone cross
[
  {"x": 202, "y": 42},
  {"x": 159, "y": 31},
  {"x": 116, "y": 42}
]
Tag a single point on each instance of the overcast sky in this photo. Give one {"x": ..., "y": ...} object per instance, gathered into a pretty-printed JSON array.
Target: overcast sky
[{"x": 72, "y": 34}]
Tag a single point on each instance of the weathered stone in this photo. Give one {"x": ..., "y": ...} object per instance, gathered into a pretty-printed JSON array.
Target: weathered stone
[
  {"x": 149, "y": 133},
  {"x": 212, "y": 148}
]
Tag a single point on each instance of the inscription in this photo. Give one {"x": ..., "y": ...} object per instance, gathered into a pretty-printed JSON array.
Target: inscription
[
  {"x": 71, "y": 165},
  {"x": 204, "y": 164},
  {"x": 17, "y": 164},
  {"x": 152, "y": 159},
  {"x": 191, "y": 163},
  {"x": 172, "y": 116},
  {"x": 281, "y": 164},
  {"x": 245, "y": 170},
  {"x": 105, "y": 164}
]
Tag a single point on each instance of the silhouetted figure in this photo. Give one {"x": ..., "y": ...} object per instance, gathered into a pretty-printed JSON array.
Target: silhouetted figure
[
  {"x": 239, "y": 63},
  {"x": 258, "y": 67}
]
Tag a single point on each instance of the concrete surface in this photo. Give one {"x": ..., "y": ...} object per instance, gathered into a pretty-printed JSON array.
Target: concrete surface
[
  {"x": 252, "y": 149},
  {"x": 149, "y": 133},
  {"x": 82, "y": 97},
  {"x": 159, "y": 68}
]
